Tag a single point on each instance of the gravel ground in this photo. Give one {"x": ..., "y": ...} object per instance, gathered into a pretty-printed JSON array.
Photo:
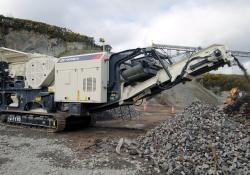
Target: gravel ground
[
  {"x": 87, "y": 151},
  {"x": 201, "y": 140},
  {"x": 30, "y": 152}
]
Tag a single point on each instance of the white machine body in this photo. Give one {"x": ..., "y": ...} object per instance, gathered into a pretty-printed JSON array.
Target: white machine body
[{"x": 82, "y": 78}]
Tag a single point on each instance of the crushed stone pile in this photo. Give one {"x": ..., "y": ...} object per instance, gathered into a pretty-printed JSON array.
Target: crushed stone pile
[
  {"x": 122, "y": 112},
  {"x": 125, "y": 112},
  {"x": 201, "y": 140},
  {"x": 184, "y": 94}
]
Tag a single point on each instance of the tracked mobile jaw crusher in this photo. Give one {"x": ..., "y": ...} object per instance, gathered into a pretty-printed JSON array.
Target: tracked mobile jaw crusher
[{"x": 53, "y": 93}]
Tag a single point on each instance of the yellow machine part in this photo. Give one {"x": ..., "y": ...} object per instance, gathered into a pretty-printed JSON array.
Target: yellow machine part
[{"x": 234, "y": 94}]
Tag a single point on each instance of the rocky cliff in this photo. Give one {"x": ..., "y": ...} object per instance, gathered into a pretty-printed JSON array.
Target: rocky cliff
[{"x": 31, "y": 36}]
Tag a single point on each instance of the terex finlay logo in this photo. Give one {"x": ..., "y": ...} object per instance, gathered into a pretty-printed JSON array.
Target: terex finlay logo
[{"x": 63, "y": 60}]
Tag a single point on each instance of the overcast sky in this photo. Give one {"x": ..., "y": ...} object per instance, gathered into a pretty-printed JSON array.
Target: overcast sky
[{"x": 128, "y": 24}]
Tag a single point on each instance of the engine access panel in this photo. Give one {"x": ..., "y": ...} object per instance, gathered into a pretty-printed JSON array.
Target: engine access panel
[{"x": 82, "y": 78}]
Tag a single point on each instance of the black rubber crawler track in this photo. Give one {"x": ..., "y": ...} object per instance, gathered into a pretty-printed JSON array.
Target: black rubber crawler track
[{"x": 53, "y": 122}]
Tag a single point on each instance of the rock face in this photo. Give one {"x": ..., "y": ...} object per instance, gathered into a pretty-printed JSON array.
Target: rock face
[
  {"x": 201, "y": 140},
  {"x": 31, "y": 36},
  {"x": 39, "y": 43}
]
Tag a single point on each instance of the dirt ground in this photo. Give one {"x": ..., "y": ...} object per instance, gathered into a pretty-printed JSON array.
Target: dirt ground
[{"x": 85, "y": 151}]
